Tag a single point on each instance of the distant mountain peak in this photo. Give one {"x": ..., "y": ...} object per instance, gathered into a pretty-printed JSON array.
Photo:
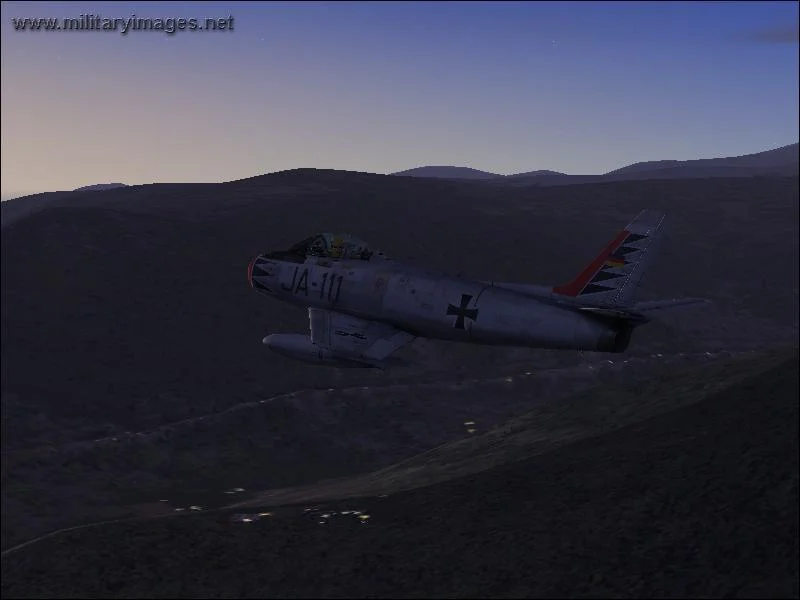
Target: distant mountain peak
[
  {"x": 99, "y": 186},
  {"x": 779, "y": 158},
  {"x": 447, "y": 172},
  {"x": 539, "y": 173}
]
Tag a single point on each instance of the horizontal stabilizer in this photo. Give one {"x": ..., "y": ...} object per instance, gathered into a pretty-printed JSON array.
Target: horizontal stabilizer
[
  {"x": 615, "y": 313},
  {"x": 656, "y": 305},
  {"x": 640, "y": 312}
]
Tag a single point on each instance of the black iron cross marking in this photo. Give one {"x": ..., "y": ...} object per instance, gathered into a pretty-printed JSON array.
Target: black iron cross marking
[{"x": 462, "y": 311}]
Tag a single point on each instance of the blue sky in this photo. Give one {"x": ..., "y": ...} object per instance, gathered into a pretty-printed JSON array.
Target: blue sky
[{"x": 577, "y": 87}]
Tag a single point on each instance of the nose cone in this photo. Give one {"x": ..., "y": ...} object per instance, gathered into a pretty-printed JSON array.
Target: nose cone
[
  {"x": 250, "y": 270},
  {"x": 262, "y": 273}
]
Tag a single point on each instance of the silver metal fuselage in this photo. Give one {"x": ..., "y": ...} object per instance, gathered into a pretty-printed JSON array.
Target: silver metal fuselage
[{"x": 439, "y": 306}]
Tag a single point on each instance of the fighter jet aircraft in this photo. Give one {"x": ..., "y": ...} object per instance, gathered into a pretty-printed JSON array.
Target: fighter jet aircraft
[{"x": 363, "y": 306}]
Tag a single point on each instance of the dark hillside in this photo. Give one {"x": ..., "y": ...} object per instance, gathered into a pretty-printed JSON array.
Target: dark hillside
[{"x": 698, "y": 502}]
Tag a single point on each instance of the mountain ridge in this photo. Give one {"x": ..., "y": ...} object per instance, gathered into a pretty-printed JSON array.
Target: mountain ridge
[{"x": 777, "y": 161}]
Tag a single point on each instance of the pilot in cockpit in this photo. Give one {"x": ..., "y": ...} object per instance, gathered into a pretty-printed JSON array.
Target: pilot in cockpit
[
  {"x": 317, "y": 246},
  {"x": 337, "y": 248}
]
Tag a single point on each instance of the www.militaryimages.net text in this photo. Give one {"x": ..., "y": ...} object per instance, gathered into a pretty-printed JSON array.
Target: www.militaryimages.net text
[{"x": 124, "y": 26}]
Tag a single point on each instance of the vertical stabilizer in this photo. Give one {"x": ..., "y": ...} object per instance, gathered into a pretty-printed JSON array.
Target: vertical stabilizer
[{"x": 613, "y": 277}]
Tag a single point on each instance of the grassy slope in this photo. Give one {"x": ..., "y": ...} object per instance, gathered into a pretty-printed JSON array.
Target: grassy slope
[
  {"x": 553, "y": 423},
  {"x": 290, "y": 441},
  {"x": 698, "y": 501}
]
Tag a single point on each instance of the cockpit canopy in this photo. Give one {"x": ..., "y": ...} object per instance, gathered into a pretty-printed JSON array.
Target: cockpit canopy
[{"x": 327, "y": 245}]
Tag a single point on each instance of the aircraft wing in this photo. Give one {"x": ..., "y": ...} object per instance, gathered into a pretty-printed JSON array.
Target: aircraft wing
[{"x": 360, "y": 339}]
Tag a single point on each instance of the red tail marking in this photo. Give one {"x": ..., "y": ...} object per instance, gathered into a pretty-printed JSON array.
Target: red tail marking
[
  {"x": 250, "y": 270},
  {"x": 574, "y": 287}
]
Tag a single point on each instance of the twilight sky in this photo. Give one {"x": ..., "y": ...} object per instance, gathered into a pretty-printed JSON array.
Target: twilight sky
[{"x": 577, "y": 87}]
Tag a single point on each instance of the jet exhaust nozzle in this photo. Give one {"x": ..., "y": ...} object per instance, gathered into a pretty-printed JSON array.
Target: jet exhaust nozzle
[{"x": 616, "y": 340}]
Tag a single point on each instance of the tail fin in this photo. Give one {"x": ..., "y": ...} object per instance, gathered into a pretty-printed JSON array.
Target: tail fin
[{"x": 613, "y": 277}]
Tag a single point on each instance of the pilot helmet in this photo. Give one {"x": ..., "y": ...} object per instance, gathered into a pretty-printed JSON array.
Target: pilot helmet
[
  {"x": 317, "y": 247},
  {"x": 337, "y": 247}
]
